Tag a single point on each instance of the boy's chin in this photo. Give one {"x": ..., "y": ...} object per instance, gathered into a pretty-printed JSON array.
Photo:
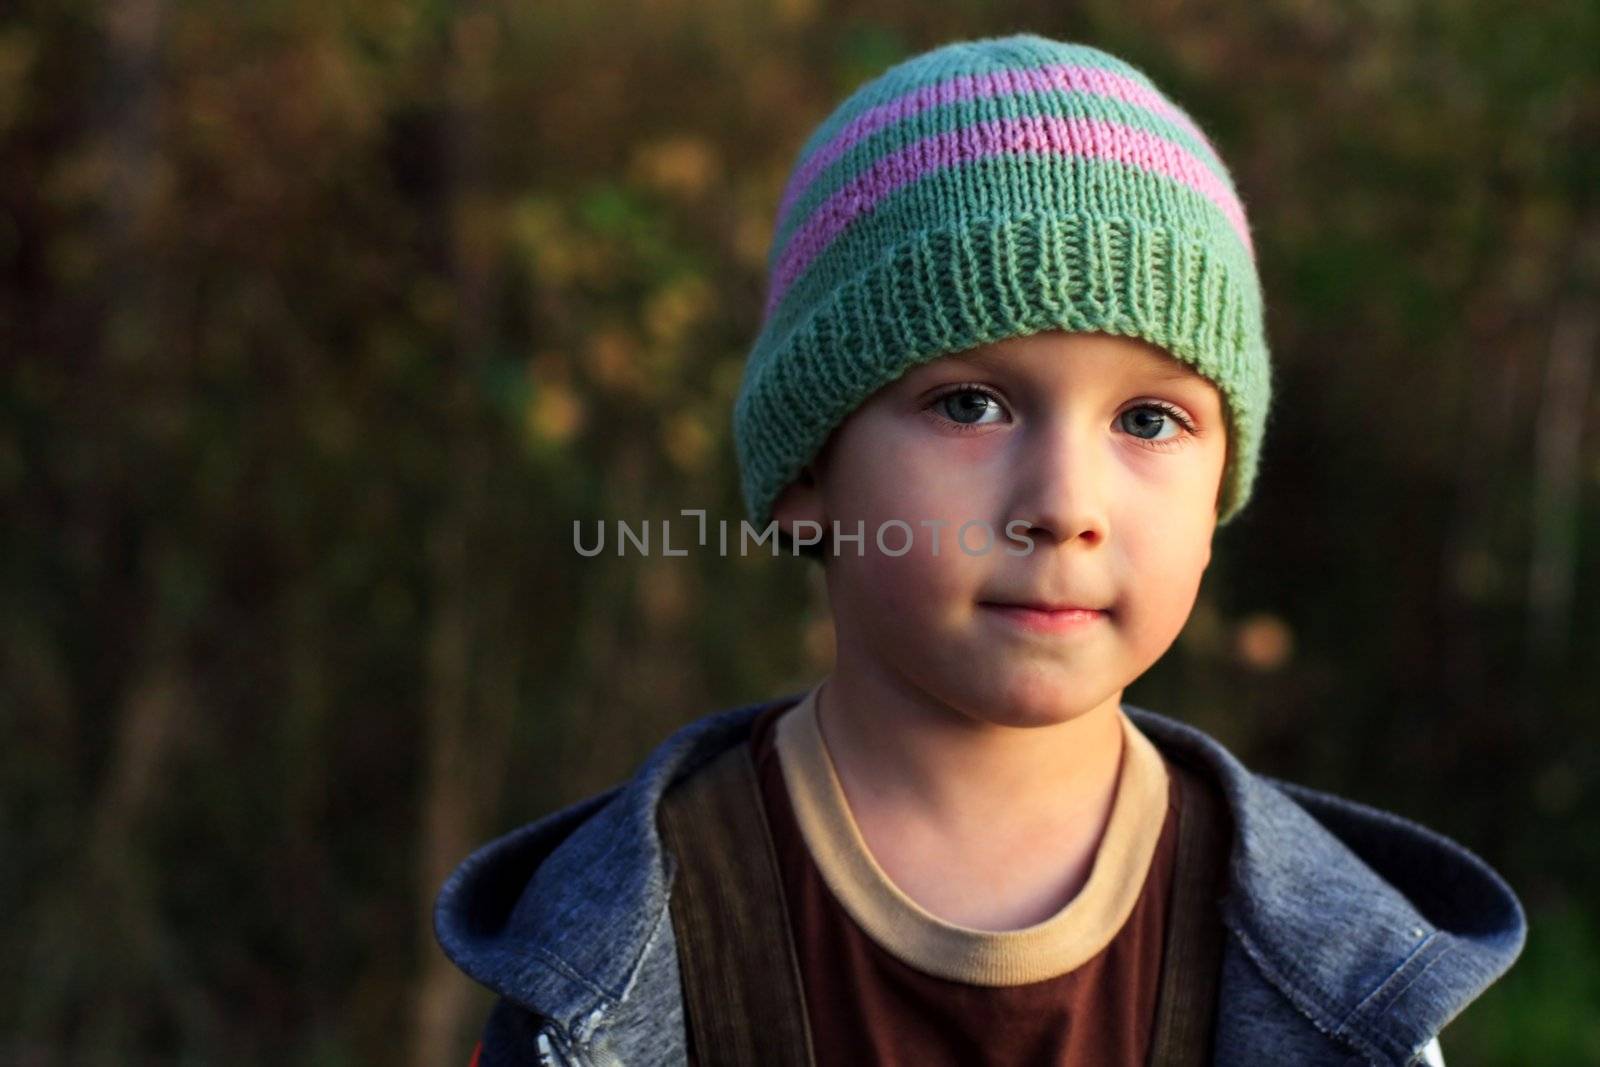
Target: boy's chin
[
  {"x": 1031, "y": 703},
  {"x": 1033, "y": 718}
]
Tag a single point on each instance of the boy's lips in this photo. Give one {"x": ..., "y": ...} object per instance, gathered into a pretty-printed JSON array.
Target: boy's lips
[
  {"x": 1040, "y": 605},
  {"x": 1044, "y": 616}
]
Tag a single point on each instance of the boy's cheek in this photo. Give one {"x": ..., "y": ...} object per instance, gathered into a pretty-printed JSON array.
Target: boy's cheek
[
  {"x": 902, "y": 474},
  {"x": 910, "y": 588}
]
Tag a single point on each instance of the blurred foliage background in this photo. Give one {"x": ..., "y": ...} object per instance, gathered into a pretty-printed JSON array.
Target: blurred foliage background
[{"x": 322, "y": 320}]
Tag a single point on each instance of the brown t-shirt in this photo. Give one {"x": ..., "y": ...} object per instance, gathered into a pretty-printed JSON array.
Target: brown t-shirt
[{"x": 1078, "y": 989}]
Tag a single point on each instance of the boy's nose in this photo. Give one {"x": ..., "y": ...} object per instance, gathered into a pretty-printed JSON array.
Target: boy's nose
[{"x": 1058, "y": 486}]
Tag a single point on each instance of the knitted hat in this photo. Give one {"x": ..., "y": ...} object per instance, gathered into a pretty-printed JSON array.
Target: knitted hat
[{"x": 988, "y": 189}]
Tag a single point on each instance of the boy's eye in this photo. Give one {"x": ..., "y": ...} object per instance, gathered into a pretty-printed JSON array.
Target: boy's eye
[
  {"x": 1151, "y": 417},
  {"x": 968, "y": 406}
]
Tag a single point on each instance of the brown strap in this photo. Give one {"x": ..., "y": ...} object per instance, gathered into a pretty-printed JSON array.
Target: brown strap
[
  {"x": 736, "y": 953},
  {"x": 1186, "y": 1005}
]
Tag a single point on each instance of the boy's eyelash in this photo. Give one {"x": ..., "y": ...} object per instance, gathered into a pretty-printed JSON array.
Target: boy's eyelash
[{"x": 1171, "y": 410}]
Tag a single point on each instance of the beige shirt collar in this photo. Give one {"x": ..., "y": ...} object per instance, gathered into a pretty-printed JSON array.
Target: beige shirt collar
[{"x": 1081, "y": 929}]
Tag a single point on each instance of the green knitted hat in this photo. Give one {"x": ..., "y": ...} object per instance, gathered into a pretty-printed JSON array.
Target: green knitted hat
[{"x": 989, "y": 189}]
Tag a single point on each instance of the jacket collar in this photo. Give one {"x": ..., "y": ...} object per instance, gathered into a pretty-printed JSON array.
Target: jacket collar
[
  {"x": 1428, "y": 925},
  {"x": 557, "y": 915}
]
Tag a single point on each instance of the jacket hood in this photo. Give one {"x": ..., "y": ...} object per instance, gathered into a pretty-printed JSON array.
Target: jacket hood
[{"x": 1376, "y": 929}]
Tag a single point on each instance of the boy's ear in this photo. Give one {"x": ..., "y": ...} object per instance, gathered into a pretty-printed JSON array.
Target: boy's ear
[{"x": 800, "y": 499}]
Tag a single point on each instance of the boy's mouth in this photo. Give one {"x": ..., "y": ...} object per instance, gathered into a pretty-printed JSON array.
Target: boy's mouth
[
  {"x": 1045, "y": 616},
  {"x": 1040, "y": 605}
]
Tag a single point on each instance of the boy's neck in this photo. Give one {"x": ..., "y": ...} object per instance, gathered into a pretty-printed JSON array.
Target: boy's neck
[
  {"x": 896, "y": 746},
  {"x": 934, "y": 788}
]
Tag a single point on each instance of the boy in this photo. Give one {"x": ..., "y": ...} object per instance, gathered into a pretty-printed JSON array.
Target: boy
[{"x": 1013, "y": 366}]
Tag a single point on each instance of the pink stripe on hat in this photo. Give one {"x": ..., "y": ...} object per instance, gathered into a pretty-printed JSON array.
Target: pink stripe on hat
[
  {"x": 1076, "y": 138},
  {"x": 1060, "y": 76}
]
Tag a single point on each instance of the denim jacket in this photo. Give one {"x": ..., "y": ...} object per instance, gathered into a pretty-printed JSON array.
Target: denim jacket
[{"x": 1352, "y": 935}]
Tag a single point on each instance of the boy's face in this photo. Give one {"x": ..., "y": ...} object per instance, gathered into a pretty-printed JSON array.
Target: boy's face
[{"x": 1065, "y": 431}]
